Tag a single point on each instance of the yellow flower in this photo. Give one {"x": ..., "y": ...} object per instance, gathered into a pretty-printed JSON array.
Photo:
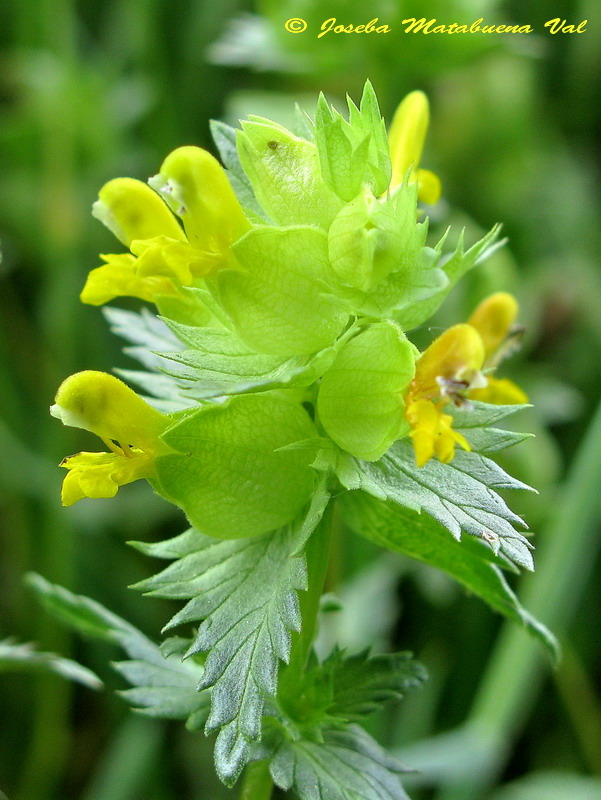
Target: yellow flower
[
  {"x": 128, "y": 426},
  {"x": 165, "y": 258},
  {"x": 406, "y": 138},
  {"x": 455, "y": 368},
  {"x": 432, "y": 432},
  {"x": 494, "y": 319},
  {"x": 101, "y": 474},
  {"x": 447, "y": 370}
]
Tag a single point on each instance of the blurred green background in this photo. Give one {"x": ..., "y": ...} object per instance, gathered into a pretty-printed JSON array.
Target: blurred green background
[{"x": 92, "y": 90}]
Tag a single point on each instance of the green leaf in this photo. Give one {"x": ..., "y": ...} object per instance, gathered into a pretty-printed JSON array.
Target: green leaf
[
  {"x": 224, "y": 137},
  {"x": 168, "y": 690},
  {"x": 244, "y": 594},
  {"x": 145, "y": 331},
  {"x": 23, "y": 657},
  {"x": 164, "y": 686},
  {"x": 220, "y": 364},
  {"x": 362, "y": 683},
  {"x": 276, "y": 301},
  {"x": 454, "y": 267},
  {"x": 230, "y": 473},
  {"x": 360, "y": 401},
  {"x": 419, "y": 536},
  {"x": 284, "y": 173},
  {"x": 475, "y": 422},
  {"x": 461, "y": 495},
  {"x": 167, "y": 393},
  {"x": 347, "y": 688},
  {"x": 347, "y": 764}
]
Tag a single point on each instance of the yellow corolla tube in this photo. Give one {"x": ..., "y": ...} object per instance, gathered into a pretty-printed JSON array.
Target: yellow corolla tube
[
  {"x": 129, "y": 427},
  {"x": 406, "y": 137}
]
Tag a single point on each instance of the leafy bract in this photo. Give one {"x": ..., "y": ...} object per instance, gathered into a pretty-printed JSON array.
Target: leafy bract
[
  {"x": 461, "y": 495},
  {"x": 419, "y": 536},
  {"x": 146, "y": 333},
  {"x": 454, "y": 267},
  {"x": 360, "y": 401},
  {"x": 475, "y": 423},
  {"x": 378, "y": 248},
  {"x": 346, "y": 763},
  {"x": 23, "y": 656},
  {"x": 163, "y": 685},
  {"x": 354, "y": 153},
  {"x": 276, "y": 301},
  {"x": 218, "y": 363},
  {"x": 229, "y": 472},
  {"x": 285, "y": 176},
  {"x": 244, "y": 594}
]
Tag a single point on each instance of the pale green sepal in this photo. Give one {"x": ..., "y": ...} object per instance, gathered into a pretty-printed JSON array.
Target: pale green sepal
[
  {"x": 277, "y": 300},
  {"x": 185, "y": 307},
  {"x": 227, "y": 476},
  {"x": 284, "y": 173},
  {"x": 360, "y": 401},
  {"x": 370, "y": 237}
]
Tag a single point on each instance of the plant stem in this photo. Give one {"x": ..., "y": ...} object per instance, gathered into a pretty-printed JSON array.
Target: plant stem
[
  {"x": 552, "y": 594},
  {"x": 257, "y": 783},
  {"x": 317, "y": 554}
]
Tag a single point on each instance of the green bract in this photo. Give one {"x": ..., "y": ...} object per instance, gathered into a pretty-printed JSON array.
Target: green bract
[
  {"x": 230, "y": 475},
  {"x": 355, "y": 153},
  {"x": 277, "y": 299},
  {"x": 361, "y": 397}
]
